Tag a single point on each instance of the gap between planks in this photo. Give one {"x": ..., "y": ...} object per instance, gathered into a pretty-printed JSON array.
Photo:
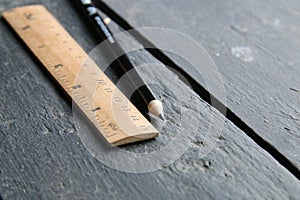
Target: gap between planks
[{"x": 201, "y": 91}]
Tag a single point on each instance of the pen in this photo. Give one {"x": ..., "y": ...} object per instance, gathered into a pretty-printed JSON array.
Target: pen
[{"x": 154, "y": 106}]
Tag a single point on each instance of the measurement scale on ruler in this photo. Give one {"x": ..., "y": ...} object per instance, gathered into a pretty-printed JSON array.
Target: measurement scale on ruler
[{"x": 100, "y": 100}]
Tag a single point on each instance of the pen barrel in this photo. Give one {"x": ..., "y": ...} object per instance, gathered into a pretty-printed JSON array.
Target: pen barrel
[
  {"x": 125, "y": 69},
  {"x": 93, "y": 15},
  {"x": 137, "y": 91}
]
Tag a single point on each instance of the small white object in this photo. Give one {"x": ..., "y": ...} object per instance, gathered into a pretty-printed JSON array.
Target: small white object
[
  {"x": 107, "y": 20},
  {"x": 86, "y": 1},
  {"x": 92, "y": 10},
  {"x": 156, "y": 108}
]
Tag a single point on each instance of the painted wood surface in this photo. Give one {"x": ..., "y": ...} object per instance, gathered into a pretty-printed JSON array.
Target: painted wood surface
[
  {"x": 255, "y": 45},
  {"x": 42, "y": 157}
]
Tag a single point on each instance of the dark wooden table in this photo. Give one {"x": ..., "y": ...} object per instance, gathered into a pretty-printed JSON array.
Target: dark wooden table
[{"x": 255, "y": 45}]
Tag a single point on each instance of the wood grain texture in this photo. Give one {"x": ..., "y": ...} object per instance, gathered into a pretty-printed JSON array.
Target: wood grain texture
[
  {"x": 41, "y": 156},
  {"x": 254, "y": 44}
]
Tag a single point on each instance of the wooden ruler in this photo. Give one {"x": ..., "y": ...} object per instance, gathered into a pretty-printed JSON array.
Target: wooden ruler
[{"x": 100, "y": 100}]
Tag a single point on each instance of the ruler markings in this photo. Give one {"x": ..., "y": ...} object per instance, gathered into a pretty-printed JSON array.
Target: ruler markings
[{"x": 116, "y": 119}]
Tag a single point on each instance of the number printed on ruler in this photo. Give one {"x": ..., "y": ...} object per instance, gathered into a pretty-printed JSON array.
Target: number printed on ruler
[{"x": 100, "y": 100}]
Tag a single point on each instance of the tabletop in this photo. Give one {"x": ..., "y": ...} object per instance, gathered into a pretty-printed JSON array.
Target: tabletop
[{"x": 232, "y": 120}]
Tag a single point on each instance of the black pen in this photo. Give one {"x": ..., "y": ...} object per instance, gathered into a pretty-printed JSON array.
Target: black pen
[{"x": 154, "y": 106}]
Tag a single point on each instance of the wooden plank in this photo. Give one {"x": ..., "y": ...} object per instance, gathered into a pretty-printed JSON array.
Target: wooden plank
[
  {"x": 41, "y": 155},
  {"x": 254, "y": 45}
]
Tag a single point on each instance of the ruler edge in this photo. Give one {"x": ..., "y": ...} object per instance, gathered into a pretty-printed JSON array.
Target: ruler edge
[{"x": 124, "y": 140}]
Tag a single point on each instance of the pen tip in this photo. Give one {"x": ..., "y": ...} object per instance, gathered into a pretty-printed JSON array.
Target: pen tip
[
  {"x": 156, "y": 108},
  {"x": 161, "y": 116}
]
